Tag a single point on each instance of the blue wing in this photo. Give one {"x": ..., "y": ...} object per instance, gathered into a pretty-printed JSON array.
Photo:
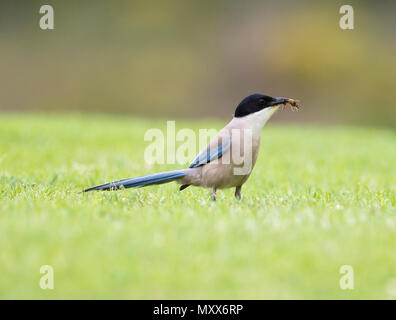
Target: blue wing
[{"x": 210, "y": 154}]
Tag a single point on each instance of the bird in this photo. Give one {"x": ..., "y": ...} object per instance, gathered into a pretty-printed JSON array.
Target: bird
[{"x": 229, "y": 158}]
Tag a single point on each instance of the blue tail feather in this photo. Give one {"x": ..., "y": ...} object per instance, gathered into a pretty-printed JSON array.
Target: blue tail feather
[{"x": 156, "y": 178}]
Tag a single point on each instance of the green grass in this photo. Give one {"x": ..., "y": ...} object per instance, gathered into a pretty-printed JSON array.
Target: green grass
[{"x": 319, "y": 198}]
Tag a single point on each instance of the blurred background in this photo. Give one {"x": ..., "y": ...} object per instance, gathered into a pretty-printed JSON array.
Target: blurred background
[{"x": 200, "y": 58}]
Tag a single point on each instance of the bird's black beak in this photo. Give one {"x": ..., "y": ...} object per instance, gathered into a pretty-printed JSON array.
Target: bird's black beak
[{"x": 278, "y": 101}]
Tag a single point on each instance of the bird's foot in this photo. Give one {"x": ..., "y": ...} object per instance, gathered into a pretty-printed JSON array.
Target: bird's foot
[
  {"x": 213, "y": 194},
  {"x": 238, "y": 193}
]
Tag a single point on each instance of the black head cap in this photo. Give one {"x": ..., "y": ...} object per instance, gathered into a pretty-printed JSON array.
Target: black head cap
[{"x": 254, "y": 103}]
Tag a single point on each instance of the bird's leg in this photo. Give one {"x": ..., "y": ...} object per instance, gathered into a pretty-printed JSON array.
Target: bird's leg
[
  {"x": 238, "y": 193},
  {"x": 213, "y": 193}
]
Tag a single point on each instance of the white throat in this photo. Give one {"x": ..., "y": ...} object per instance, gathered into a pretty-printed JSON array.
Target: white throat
[{"x": 257, "y": 120}]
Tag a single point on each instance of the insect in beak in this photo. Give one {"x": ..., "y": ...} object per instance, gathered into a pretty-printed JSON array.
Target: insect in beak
[{"x": 294, "y": 104}]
